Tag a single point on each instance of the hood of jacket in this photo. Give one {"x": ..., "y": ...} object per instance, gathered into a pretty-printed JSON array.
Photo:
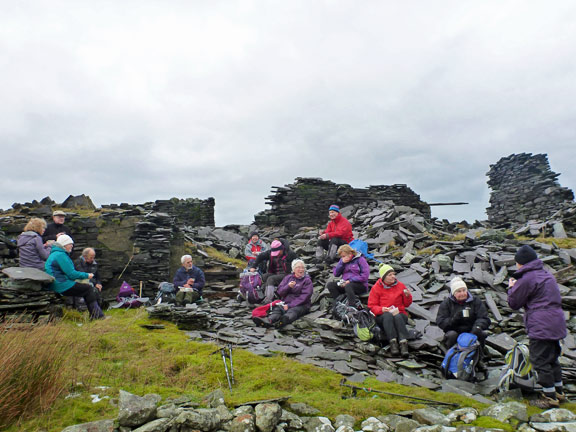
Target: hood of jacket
[
  {"x": 27, "y": 237},
  {"x": 537, "y": 264}
]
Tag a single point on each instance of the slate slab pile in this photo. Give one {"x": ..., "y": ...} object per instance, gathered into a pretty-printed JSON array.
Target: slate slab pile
[
  {"x": 524, "y": 188},
  {"x": 426, "y": 254},
  {"x": 149, "y": 413},
  {"x": 306, "y": 201}
]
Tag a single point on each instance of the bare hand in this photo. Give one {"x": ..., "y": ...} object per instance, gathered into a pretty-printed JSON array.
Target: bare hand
[
  {"x": 292, "y": 284},
  {"x": 99, "y": 287},
  {"x": 190, "y": 281},
  {"x": 511, "y": 282},
  {"x": 252, "y": 269},
  {"x": 406, "y": 292},
  {"x": 285, "y": 307},
  {"x": 90, "y": 275}
]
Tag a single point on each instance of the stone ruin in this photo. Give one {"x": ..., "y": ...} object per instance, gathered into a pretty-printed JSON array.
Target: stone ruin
[
  {"x": 306, "y": 201},
  {"x": 524, "y": 188}
]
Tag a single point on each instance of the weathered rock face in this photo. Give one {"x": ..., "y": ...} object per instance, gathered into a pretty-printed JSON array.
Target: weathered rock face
[
  {"x": 524, "y": 188},
  {"x": 306, "y": 202}
]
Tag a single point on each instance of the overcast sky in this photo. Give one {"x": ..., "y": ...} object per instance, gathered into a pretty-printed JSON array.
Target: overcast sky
[{"x": 133, "y": 101}]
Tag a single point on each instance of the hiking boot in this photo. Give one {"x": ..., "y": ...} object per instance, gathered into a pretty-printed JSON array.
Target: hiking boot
[
  {"x": 262, "y": 322},
  {"x": 394, "y": 348},
  {"x": 545, "y": 402},
  {"x": 561, "y": 396},
  {"x": 239, "y": 298},
  {"x": 404, "y": 348}
]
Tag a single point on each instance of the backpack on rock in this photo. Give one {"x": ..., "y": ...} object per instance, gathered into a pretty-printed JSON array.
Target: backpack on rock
[
  {"x": 251, "y": 287},
  {"x": 462, "y": 359},
  {"x": 517, "y": 371}
]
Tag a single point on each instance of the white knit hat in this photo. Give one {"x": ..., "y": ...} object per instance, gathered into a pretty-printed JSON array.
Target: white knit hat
[
  {"x": 64, "y": 240},
  {"x": 456, "y": 284}
]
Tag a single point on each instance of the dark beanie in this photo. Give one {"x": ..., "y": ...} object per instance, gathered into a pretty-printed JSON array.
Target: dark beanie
[{"x": 525, "y": 254}]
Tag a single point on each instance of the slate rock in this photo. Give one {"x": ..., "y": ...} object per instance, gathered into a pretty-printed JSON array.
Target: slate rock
[
  {"x": 154, "y": 426},
  {"x": 242, "y": 423},
  {"x": 303, "y": 409},
  {"x": 554, "y": 427},
  {"x": 344, "y": 420},
  {"x": 398, "y": 423},
  {"x": 372, "y": 424},
  {"x": 293, "y": 421},
  {"x": 318, "y": 424},
  {"x": 135, "y": 410},
  {"x": 267, "y": 416},
  {"x": 27, "y": 274},
  {"x": 430, "y": 416},
  {"x": 505, "y": 411},
  {"x": 96, "y": 426},
  {"x": 214, "y": 399},
  {"x": 466, "y": 415},
  {"x": 554, "y": 415}
]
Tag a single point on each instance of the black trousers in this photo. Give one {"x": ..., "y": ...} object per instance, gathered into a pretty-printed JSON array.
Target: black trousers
[
  {"x": 352, "y": 290},
  {"x": 451, "y": 337},
  {"x": 326, "y": 243},
  {"x": 544, "y": 356},
  {"x": 393, "y": 326},
  {"x": 86, "y": 291},
  {"x": 292, "y": 314}
]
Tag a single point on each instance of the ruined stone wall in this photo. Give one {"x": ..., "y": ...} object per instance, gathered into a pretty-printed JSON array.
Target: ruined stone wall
[
  {"x": 524, "y": 188},
  {"x": 132, "y": 242},
  {"x": 306, "y": 202}
]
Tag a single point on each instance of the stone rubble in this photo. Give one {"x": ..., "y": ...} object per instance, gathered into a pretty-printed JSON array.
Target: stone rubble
[{"x": 142, "y": 414}]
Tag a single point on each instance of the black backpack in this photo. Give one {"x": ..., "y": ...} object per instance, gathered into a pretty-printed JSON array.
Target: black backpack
[
  {"x": 166, "y": 293},
  {"x": 341, "y": 311}
]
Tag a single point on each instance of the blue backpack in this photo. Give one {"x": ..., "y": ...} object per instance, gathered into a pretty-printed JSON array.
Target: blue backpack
[{"x": 462, "y": 359}]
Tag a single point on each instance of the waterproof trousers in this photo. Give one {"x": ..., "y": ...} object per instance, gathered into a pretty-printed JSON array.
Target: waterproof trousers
[
  {"x": 393, "y": 326},
  {"x": 86, "y": 291}
]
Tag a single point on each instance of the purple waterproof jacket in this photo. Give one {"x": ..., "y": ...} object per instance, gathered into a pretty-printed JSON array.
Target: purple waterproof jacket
[
  {"x": 300, "y": 295},
  {"x": 32, "y": 251},
  {"x": 537, "y": 292},
  {"x": 356, "y": 270}
]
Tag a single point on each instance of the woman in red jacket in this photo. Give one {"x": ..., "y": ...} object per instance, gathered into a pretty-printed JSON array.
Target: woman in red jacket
[{"x": 388, "y": 300}]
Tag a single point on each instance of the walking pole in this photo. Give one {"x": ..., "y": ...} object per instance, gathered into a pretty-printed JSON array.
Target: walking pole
[
  {"x": 231, "y": 362},
  {"x": 140, "y": 289},
  {"x": 223, "y": 352}
]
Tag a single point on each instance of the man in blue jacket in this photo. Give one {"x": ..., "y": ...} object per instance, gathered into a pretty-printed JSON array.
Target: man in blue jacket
[
  {"x": 536, "y": 290},
  {"x": 189, "y": 280}
]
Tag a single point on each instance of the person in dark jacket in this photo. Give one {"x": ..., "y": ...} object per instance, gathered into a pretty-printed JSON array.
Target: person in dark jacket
[
  {"x": 60, "y": 266},
  {"x": 279, "y": 258},
  {"x": 462, "y": 312},
  {"x": 388, "y": 301},
  {"x": 87, "y": 263},
  {"x": 295, "y": 292},
  {"x": 355, "y": 272},
  {"x": 33, "y": 251},
  {"x": 56, "y": 227},
  {"x": 189, "y": 280},
  {"x": 337, "y": 233},
  {"x": 536, "y": 290}
]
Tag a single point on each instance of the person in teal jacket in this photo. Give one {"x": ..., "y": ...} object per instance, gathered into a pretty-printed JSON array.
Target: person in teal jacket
[{"x": 60, "y": 266}]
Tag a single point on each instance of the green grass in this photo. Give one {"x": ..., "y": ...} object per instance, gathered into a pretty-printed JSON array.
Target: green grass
[{"x": 119, "y": 354}]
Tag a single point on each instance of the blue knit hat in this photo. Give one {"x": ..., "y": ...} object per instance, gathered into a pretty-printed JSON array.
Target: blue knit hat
[{"x": 335, "y": 208}]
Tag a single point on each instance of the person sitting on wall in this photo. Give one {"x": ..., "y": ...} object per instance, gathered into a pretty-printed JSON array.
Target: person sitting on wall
[
  {"x": 254, "y": 248},
  {"x": 295, "y": 292},
  {"x": 461, "y": 312},
  {"x": 60, "y": 266},
  {"x": 189, "y": 280},
  {"x": 87, "y": 263},
  {"x": 355, "y": 272},
  {"x": 56, "y": 227},
  {"x": 388, "y": 301},
  {"x": 279, "y": 258},
  {"x": 33, "y": 251},
  {"x": 337, "y": 233}
]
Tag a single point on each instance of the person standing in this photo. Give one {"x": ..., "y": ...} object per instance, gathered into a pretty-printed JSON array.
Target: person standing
[
  {"x": 337, "y": 233},
  {"x": 56, "y": 227},
  {"x": 536, "y": 290}
]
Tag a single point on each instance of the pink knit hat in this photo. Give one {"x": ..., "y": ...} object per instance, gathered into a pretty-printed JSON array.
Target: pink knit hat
[{"x": 276, "y": 247}]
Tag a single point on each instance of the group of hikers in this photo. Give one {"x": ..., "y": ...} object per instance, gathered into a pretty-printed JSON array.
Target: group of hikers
[
  {"x": 287, "y": 297},
  {"x": 286, "y": 291}
]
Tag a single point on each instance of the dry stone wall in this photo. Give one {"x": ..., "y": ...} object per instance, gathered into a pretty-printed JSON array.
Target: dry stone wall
[
  {"x": 524, "y": 188},
  {"x": 306, "y": 201}
]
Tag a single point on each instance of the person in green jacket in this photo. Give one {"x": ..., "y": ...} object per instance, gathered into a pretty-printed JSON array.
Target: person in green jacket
[{"x": 60, "y": 266}]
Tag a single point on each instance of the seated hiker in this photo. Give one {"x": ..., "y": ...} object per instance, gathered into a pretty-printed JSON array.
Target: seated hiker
[
  {"x": 355, "y": 271},
  {"x": 388, "y": 300},
  {"x": 33, "y": 251},
  {"x": 337, "y": 233},
  {"x": 87, "y": 263},
  {"x": 462, "y": 312},
  {"x": 295, "y": 292},
  {"x": 56, "y": 227},
  {"x": 279, "y": 258},
  {"x": 254, "y": 247},
  {"x": 60, "y": 266},
  {"x": 189, "y": 280}
]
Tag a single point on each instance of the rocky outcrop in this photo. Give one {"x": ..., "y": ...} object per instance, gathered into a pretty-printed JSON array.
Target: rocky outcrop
[
  {"x": 524, "y": 188},
  {"x": 306, "y": 201}
]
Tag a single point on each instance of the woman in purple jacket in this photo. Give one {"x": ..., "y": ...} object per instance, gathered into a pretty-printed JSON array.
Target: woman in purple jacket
[
  {"x": 355, "y": 271},
  {"x": 536, "y": 290},
  {"x": 295, "y": 292},
  {"x": 33, "y": 252}
]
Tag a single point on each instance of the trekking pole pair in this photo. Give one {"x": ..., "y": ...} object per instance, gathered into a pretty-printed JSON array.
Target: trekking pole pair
[{"x": 226, "y": 353}]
